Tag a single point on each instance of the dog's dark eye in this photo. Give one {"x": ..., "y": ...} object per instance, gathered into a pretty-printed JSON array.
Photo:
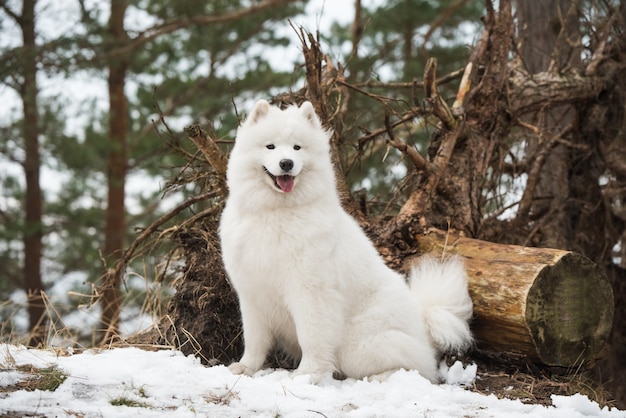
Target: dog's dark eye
[
  {"x": 270, "y": 146},
  {"x": 297, "y": 147}
]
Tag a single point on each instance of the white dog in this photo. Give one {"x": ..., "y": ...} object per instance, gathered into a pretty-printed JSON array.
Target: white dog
[{"x": 308, "y": 278}]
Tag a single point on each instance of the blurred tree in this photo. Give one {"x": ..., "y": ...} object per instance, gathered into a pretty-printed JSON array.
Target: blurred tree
[
  {"x": 215, "y": 31},
  {"x": 115, "y": 215},
  {"x": 191, "y": 57},
  {"x": 25, "y": 82}
]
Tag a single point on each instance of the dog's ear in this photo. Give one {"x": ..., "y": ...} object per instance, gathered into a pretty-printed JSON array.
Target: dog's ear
[
  {"x": 260, "y": 110},
  {"x": 309, "y": 113}
]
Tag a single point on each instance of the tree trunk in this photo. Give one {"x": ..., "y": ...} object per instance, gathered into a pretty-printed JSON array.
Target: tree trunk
[
  {"x": 549, "y": 44},
  {"x": 554, "y": 306},
  {"x": 115, "y": 225},
  {"x": 34, "y": 199}
]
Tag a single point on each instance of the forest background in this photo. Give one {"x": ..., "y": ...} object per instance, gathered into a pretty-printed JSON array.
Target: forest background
[{"x": 96, "y": 95}]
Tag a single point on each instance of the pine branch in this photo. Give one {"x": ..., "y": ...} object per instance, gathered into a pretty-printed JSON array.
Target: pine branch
[
  {"x": 445, "y": 15},
  {"x": 182, "y": 23}
]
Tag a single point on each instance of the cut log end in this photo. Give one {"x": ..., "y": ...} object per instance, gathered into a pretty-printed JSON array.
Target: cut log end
[
  {"x": 553, "y": 306},
  {"x": 569, "y": 311}
]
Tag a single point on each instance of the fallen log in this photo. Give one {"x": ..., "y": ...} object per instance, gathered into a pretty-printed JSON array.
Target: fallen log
[{"x": 554, "y": 306}]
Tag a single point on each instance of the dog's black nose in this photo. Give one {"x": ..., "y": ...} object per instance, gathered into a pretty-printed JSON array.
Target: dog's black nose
[{"x": 286, "y": 164}]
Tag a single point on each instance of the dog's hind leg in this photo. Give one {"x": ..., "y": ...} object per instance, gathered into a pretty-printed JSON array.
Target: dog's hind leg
[{"x": 378, "y": 355}]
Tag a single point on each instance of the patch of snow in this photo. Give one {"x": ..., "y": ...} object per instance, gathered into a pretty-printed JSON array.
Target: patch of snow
[
  {"x": 577, "y": 403},
  {"x": 167, "y": 383},
  {"x": 457, "y": 374}
]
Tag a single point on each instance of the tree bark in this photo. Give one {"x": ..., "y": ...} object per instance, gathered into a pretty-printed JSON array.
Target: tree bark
[
  {"x": 554, "y": 306},
  {"x": 531, "y": 93},
  {"x": 115, "y": 224},
  {"x": 34, "y": 200},
  {"x": 549, "y": 45}
]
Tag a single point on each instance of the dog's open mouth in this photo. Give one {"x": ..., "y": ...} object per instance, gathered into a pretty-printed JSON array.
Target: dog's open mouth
[{"x": 283, "y": 183}]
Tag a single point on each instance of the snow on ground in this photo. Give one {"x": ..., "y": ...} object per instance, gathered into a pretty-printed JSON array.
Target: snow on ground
[{"x": 167, "y": 383}]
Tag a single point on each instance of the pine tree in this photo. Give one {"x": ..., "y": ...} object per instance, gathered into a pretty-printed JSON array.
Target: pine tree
[{"x": 25, "y": 60}]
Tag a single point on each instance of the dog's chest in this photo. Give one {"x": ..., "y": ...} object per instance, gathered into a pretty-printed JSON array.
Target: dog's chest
[
  {"x": 273, "y": 238},
  {"x": 275, "y": 248}
]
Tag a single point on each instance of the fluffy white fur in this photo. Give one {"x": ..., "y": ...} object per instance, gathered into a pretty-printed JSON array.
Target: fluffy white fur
[{"x": 307, "y": 276}]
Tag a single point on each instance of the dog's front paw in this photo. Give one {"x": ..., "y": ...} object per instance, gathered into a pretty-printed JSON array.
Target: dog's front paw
[
  {"x": 240, "y": 368},
  {"x": 315, "y": 376}
]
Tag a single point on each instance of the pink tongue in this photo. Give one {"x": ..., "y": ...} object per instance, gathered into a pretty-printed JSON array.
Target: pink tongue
[{"x": 285, "y": 183}]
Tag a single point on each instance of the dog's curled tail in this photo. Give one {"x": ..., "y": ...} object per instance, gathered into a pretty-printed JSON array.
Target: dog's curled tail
[{"x": 440, "y": 288}]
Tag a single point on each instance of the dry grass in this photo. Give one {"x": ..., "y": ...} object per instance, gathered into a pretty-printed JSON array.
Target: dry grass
[
  {"x": 47, "y": 378},
  {"x": 512, "y": 377}
]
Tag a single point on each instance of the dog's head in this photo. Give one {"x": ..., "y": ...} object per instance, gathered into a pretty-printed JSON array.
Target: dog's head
[{"x": 286, "y": 150}]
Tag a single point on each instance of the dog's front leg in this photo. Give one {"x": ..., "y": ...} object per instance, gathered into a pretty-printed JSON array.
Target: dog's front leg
[
  {"x": 257, "y": 337},
  {"x": 318, "y": 323}
]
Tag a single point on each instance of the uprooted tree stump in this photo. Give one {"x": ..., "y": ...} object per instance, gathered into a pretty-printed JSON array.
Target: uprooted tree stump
[
  {"x": 554, "y": 306},
  {"x": 202, "y": 317}
]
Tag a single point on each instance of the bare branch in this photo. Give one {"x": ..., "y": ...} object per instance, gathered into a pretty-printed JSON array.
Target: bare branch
[
  {"x": 377, "y": 97},
  {"x": 464, "y": 88},
  {"x": 420, "y": 200},
  {"x": 320, "y": 81},
  {"x": 381, "y": 131},
  {"x": 4, "y": 6},
  {"x": 600, "y": 51},
  {"x": 439, "y": 107},
  {"x": 532, "y": 93},
  {"x": 211, "y": 152},
  {"x": 313, "y": 58},
  {"x": 411, "y": 84},
  {"x": 414, "y": 156},
  {"x": 450, "y": 129},
  {"x": 534, "y": 175},
  {"x": 154, "y": 226}
]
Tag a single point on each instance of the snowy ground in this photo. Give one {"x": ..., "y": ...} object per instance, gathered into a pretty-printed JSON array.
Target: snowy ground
[{"x": 166, "y": 383}]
